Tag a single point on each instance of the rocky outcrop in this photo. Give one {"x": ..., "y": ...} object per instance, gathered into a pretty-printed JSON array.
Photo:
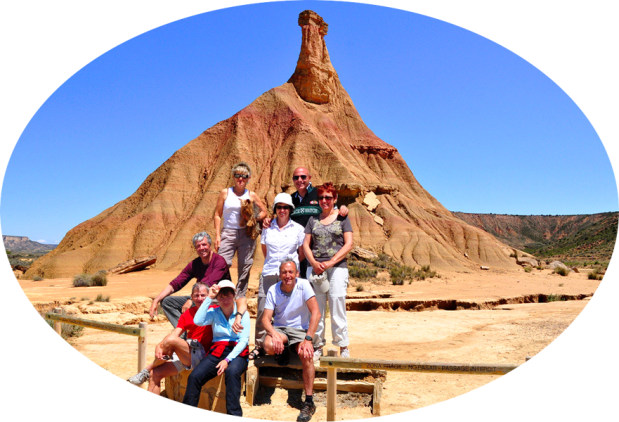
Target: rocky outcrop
[{"x": 309, "y": 121}]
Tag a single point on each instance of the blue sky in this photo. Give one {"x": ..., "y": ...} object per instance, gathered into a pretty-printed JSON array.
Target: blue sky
[{"x": 480, "y": 128}]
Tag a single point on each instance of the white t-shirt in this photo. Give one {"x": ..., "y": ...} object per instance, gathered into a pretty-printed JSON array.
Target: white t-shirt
[
  {"x": 290, "y": 310},
  {"x": 232, "y": 209},
  {"x": 280, "y": 244}
]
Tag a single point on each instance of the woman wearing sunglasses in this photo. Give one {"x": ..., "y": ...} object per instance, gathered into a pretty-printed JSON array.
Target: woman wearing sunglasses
[
  {"x": 328, "y": 239},
  {"x": 232, "y": 237},
  {"x": 282, "y": 240}
]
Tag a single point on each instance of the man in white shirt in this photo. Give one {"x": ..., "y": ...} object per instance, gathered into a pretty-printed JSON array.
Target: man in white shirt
[{"x": 292, "y": 305}]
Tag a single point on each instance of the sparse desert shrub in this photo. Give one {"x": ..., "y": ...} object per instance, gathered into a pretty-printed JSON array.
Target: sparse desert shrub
[
  {"x": 37, "y": 278},
  {"x": 561, "y": 271},
  {"x": 101, "y": 298},
  {"x": 528, "y": 269},
  {"x": 81, "y": 280},
  {"x": 85, "y": 298},
  {"x": 99, "y": 278},
  {"x": 554, "y": 298},
  {"x": 86, "y": 280},
  {"x": 360, "y": 270},
  {"x": 360, "y": 287},
  {"x": 595, "y": 275},
  {"x": 513, "y": 255},
  {"x": 400, "y": 273},
  {"x": 383, "y": 261}
]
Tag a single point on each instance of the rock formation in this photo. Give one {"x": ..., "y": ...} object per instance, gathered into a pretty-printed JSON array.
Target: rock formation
[{"x": 309, "y": 121}]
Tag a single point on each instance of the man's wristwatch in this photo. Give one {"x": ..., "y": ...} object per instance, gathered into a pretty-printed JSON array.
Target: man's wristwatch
[{"x": 309, "y": 338}]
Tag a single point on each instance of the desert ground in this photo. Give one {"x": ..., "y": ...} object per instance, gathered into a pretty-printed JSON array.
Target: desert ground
[{"x": 494, "y": 316}]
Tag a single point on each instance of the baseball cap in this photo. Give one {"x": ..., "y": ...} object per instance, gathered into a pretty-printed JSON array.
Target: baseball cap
[{"x": 226, "y": 283}]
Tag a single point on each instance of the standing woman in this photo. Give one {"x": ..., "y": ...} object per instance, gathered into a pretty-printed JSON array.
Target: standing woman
[
  {"x": 282, "y": 240},
  {"x": 328, "y": 239},
  {"x": 233, "y": 237},
  {"x": 228, "y": 354}
]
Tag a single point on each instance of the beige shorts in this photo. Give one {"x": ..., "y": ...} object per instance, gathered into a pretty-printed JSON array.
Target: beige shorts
[{"x": 197, "y": 354}]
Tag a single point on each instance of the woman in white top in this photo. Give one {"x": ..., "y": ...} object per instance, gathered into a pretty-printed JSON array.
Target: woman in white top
[
  {"x": 233, "y": 236},
  {"x": 282, "y": 240}
]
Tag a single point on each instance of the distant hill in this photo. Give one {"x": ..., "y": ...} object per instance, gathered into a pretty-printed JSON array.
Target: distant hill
[
  {"x": 567, "y": 237},
  {"x": 20, "y": 244}
]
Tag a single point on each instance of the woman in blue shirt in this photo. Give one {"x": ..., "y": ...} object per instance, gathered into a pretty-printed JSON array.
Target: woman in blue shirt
[{"x": 228, "y": 354}]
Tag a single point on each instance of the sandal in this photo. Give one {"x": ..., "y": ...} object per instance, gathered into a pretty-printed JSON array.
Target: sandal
[{"x": 254, "y": 354}]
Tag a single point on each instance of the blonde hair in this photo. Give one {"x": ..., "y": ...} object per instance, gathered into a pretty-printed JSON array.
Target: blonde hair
[{"x": 241, "y": 167}]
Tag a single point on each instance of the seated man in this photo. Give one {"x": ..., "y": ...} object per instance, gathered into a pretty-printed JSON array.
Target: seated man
[
  {"x": 209, "y": 268},
  {"x": 174, "y": 354},
  {"x": 292, "y": 305}
]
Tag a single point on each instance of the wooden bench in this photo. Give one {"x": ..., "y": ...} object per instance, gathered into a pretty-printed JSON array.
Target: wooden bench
[
  {"x": 266, "y": 372},
  {"x": 212, "y": 396}
]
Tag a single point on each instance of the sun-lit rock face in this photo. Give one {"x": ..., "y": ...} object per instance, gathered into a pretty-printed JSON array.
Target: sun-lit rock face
[{"x": 309, "y": 121}]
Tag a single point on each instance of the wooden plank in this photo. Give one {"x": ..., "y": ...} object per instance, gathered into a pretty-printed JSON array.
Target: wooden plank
[
  {"x": 404, "y": 366},
  {"x": 319, "y": 385},
  {"x": 120, "y": 329}
]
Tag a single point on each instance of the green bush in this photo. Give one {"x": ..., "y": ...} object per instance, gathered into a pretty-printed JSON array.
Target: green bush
[
  {"x": 528, "y": 269},
  {"x": 554, "y": 298},
  {"x": 101, "y": 298},
  {"x": 360, "y": 287},
  {"x": 37, "y": 278},
  {"x": 360, "y": 270},
  {"x": 383, "y": 261},
  {"x": 561, "y": 271}
]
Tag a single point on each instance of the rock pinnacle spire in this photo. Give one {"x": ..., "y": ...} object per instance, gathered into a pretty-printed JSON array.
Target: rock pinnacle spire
[{"x": 314, "y": 78}]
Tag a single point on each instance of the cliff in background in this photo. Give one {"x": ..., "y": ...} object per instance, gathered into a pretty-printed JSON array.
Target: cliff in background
[{"x": 568, "y": 237}]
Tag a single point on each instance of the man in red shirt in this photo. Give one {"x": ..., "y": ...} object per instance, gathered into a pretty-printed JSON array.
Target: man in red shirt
[{"x": 174, "y": 354}]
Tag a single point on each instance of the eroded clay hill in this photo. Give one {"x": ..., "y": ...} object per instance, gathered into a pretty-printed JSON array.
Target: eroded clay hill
[{"x": 309, "y": 121}]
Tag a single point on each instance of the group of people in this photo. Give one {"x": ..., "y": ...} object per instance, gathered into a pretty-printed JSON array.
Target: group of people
[{"x": 304, "y": 245}]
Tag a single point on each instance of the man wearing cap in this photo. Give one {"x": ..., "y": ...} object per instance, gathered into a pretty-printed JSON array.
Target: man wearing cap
[
  {"x": 305, "y": 201},
  {"x": 292, "y": 305}
]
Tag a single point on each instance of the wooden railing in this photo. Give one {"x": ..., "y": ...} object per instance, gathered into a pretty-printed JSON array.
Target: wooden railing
[
  {"x": 139, "y": 332},
  {"x": 332, "y": 363}
]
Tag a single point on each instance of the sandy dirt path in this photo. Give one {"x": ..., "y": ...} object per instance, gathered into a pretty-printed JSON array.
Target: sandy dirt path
[{"x": 504, "y": 334}]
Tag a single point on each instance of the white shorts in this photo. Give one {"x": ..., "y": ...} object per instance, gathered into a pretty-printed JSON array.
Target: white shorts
[{"x": 197, "y": 354}]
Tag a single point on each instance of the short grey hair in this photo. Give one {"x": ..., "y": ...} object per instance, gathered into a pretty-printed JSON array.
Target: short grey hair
[
  {"x": 241, "y": 167},
  {"x": 286, "y": 261},
  {"x": 197, "y": 286},
  {"x": 198, "y": 237}
]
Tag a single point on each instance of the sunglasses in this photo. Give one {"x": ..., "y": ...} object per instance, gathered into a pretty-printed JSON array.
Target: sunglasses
[
  {"x": 328, "y": 198},
  {"x": 282, "y": 207},
  {"x": 241, "y": 176},
  {"x": 303, "y": 177}
]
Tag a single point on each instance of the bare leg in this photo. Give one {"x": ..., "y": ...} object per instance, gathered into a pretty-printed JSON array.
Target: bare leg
[
  {"x": 309, "y": 372},
  {"x": 180, "y": 347},
  {"x": 159, "y": 373}
]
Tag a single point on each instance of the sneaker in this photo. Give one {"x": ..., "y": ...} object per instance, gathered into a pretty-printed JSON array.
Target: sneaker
[
  {"x": 344, "y": 352},
  {"x": 140, "y": 378},
  {"x": 307, "y": 411}
]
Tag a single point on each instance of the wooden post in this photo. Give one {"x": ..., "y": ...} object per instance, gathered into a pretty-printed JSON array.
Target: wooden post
[
  {"x": 331, "y": 388},
  {"x": 378, "y": 391},
  {"x": 58, "y": 324},
  {"x": 253, "y": 383},
  {"x": 142, "y": 347}
]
